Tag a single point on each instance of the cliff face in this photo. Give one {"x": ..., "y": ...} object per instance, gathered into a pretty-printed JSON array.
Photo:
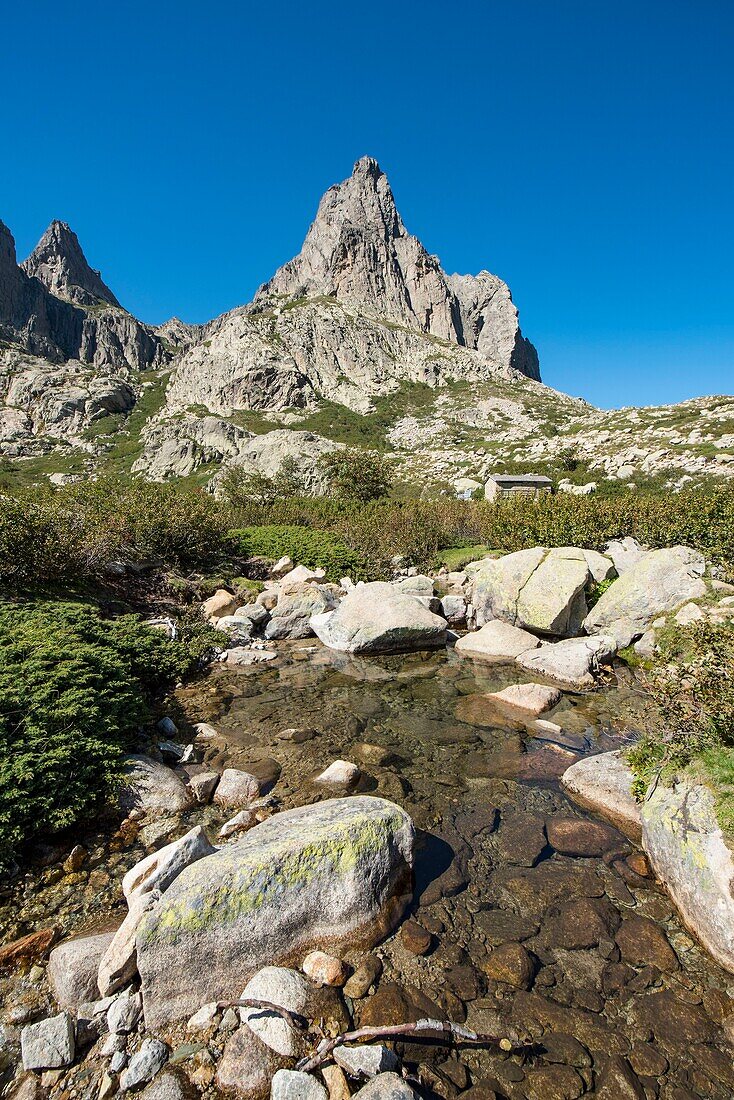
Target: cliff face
[{"x": 58, "y": 262}]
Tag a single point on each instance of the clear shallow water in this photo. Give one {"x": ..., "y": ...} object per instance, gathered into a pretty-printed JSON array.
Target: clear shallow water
[{"x": 481, "y": 792}]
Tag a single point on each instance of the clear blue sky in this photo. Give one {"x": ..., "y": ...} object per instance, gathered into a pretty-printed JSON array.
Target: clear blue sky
[{"x": 582, "y": 151}]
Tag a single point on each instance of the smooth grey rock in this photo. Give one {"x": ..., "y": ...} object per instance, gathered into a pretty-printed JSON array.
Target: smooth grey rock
[
  {"x": 365, "y": 1060},
  {"x": 624, "y": 553},
  {"x": 375, "y": 618},
  {"x": 537, "y": 589},
  {"x": 690, "y": 857},
  {"x": 496, "y": 641},
  {"x": 321, "y": 876},
  {"x": 453, "y": 609},
  {"x": 279, "y": 986},
  {"x": 158, "y": 870},
  {"x": 124, "y": 1013},
  {"x": 657, "y": 583},
  {"x": 152, "y": 787},
  {"x": 72, "y": 969},
  {"x": 118, "y": 1061},
  {"x": 386, "y": 1086},
  {"x": 49, "y": 1044},
  {"x": 603, "y": 783},
  {"x": 236, "y": 788},
  {"x": 571, "y": 662},
  {"x": 291, "y": 617},
  {"x": 289, "y": 1084},
  {"x": 144, "y": 1064},
  {"x": 202, "y": 785}
]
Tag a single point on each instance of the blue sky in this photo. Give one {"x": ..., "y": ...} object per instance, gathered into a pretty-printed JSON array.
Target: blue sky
[{"x": 581, "y": 151}]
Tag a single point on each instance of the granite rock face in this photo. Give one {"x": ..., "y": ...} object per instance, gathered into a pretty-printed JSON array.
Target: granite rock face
[
  {"x": 537, "y": 589},
  {"x": 58, "y": 262},
  {"x": 328, "y": 875}
]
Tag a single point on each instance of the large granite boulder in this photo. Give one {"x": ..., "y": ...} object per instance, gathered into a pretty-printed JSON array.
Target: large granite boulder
[
  {"x": 291, "y": 617},
  {"x": 377, "y": 618},
  {"x": 690, "y": 857},
  {"x": 330, "y": 875},
  {"x": 603, "y": 784},
  {"x": 150, "y": 786},
  {"x": 658, "y": 582},
  {"x": 571, "y": 662},
  {"x": 537, "y": 589}
]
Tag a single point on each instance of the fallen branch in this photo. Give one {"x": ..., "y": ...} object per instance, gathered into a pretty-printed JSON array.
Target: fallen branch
[
  {"x": 296, "y": 1021},
  {"x": 456, "y": 1032}
]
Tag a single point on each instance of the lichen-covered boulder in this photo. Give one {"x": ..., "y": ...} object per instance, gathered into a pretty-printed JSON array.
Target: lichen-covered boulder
[
  {"x": 333, "y": 875},
  {"x": 537, "y": 589},
  {"x": 689, "y": 856},
  {"x": 378, "y": 618},
  {"x": 658, "y": 582}
]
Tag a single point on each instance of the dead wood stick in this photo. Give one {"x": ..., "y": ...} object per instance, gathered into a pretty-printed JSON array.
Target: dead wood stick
[
  {"x": 445, "y": 1027},
  {"x": 296, "y": 1021}
]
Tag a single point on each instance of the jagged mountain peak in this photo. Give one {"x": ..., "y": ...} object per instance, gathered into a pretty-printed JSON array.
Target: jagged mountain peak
[
  {"x": 358, "y": 251},
  {"x": 58, "y": 262}
]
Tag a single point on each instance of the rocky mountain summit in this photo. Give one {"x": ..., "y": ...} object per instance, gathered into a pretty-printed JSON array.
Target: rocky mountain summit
[{"x": 361, "y": 337}]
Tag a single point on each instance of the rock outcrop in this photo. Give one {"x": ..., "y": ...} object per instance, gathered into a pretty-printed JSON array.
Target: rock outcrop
[
  {"x": 58, "y": 262},
  {"x": 536, "y": 589}
]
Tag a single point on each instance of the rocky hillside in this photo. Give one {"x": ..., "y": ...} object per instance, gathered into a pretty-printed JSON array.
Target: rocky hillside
[{"x": 361, "y": 339}]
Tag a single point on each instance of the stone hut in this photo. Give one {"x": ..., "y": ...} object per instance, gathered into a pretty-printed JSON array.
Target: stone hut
[{"x": 507, "y": 485}]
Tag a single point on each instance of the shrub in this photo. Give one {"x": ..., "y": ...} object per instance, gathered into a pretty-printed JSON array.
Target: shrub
[
  {"x": 691, "y": 725},
  {"x": 241, "y": 486},
  {"x": 74, "y": 690},
  {"x": 304, "y": 545},
  {"x": 360, "y": 475}
]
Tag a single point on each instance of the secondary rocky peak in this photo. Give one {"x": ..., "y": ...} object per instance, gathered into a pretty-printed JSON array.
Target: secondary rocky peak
[
  {"x": 59, "y": 263},
  {"x": 7, "y": 247}
]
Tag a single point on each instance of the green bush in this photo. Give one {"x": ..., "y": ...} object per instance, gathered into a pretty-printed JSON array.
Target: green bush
[
  {"x": 358, "y": 475},
  {"x": 691, "y": 727},
  {"x": 78, "y": 533},
  {"x": 305, "y": 546},
  {"x": 74, "y": 690}
]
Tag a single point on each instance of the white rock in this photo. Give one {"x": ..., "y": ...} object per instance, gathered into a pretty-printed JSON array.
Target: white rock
[
  {"x": 365, "y": 1060},
  {"x": 689, "y": 613},
  {"x": 531, "y": 699},
  {"x": 571, "y": 662},
  {"x": 603, "y": 783},
  {"x": 386, "y": 1086},
  {"x": 496, "y": 641},
  {"x": 342, "y": 773},
  {"x": 158, "y": 870},
  {"x": 205, "y": 732},
  {"x": 245, "y": 819},
  {"x": 144, "y": 1064},
  {"x": 124, "y": 1013},
  {"x": 376, "y": 618},
  {"x": 282, "y": 566},
  {"x": 205, "y": 1018},
  {"x": 282, "y": 987},
  {"x": 289, "y": 1084},
  {"x": 324, "y": 969},
  {"x": 202, "y": 785},
  {"x": 49, "y": 1044}
]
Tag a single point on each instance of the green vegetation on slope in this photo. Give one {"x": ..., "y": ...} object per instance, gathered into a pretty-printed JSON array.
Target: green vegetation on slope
[{"x": 74, "y": 690}]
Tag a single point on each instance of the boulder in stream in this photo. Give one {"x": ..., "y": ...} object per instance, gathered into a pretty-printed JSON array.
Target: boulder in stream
[
  {"x": 332, "y": 875},
  {"x": 378, "y": 618},
  {"x": 537, "y": 589}
]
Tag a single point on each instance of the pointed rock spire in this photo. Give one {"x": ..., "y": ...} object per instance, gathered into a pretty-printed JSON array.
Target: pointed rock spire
[{"x": 59, "y": 263}]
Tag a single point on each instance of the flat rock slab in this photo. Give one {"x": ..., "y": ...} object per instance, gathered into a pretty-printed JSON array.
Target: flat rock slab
[
  {"x": 49, "y": 1044},
  {"x": 526, "y": 699},
  {"x": 571, "y": 662},
  {"x": 377, "y": 618},
  {"x": 324, "y": 876},
  {"x": 496, "y": 641},
  {"x": 603, "y": 783}
]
